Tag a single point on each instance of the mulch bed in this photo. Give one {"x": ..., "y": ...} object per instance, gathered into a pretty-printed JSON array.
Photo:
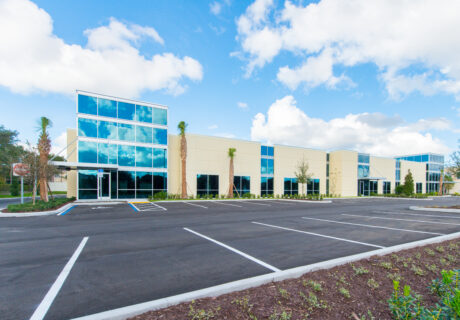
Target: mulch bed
[
  {"x": 446, "y": 207},
  {"x": 334, "y": 293},
  {"x": 38, "y": 210}
]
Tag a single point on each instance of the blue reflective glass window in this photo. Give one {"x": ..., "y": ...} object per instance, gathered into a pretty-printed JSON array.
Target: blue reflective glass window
[
  {"x": 144, "y": 180},
  {"x": 126, "y": 110},
  {"x": 107, "y": 108},
  {"x": 160, "y": 181},
  {"x": 143, "y": 113},
  {"x": 107, "y": 130},
  {"x": 263, "y": 166},
  {"x": 160, "y": 116},
  {"x": 363, "y": 158},
  {"x": 103, "y": 153},
  {"x": 87, "y": 104},
  {"x": 126, "y": 132},
  {"x": 270, "y": 169},
  {"x": 126, "y": 180},
  {"x": 160, "y": 159},
  {"x": 160, "y": 136},
  {"x": 143, "y": 134},
  {"x": 143, "y": 157},
  {"x": 113, "y": 154},
  {"x": 87, "y": 128},
  {"x": 270, "y": 151},
  {"x": 87, "y": 179},
  {"x": 363, "y": 171},
  {"x": 263, "y": 150},
  {"x": 126, "y": 155},
  {"x": 87, "y": 151}
]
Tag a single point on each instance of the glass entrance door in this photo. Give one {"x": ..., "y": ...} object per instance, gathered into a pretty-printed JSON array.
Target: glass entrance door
[
  {"x": 103, "y": 185},
  {"x": 363, "y": 187}
]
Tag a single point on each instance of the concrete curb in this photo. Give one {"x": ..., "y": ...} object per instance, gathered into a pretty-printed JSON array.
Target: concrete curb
[
  {"x": 240, "y": 200},
  {"x": 434, "y": 209},
  {"x": 133, "y": 310},
  {"x": 39, "y": 213}
]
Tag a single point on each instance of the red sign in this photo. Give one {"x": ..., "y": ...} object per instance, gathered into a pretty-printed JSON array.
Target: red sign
[{"x": 20, "y": 169}]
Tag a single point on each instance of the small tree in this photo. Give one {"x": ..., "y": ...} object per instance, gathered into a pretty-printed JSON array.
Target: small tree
[
  {"x": 231, "y": 155},
  {"x": 302, "y": 174},
  {"x": 455, "y": 162},
  {"x": 408, "y": 183},
  {"x": 32, "y": 159}
]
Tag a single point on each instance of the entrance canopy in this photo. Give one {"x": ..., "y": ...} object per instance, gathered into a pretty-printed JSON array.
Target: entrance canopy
[{"x": 65, "y": 165}]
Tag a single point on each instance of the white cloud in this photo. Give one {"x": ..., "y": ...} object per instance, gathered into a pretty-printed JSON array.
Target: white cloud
[
  {"x": 215, "y": 8},
  {"x": 213, "y": 127},
  {"x": 242, "y": 105},
  {"x": 374, "y": 133},
  {"x": 34, "y": 59},
  {"x": 414, "y": 44},
  {"x": 58, "y": 144}
]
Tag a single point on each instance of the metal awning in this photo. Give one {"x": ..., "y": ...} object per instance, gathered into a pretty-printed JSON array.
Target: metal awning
[
  {"x": 372, "y": 178},
  {"x": 81, "y": 165}
]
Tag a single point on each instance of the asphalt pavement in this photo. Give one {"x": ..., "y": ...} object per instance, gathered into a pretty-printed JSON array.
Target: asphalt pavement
[{"x": 140, "y": 252}]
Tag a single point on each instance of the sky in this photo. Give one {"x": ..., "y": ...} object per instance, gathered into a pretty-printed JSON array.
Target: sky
[{"x": 381, "y": 77}]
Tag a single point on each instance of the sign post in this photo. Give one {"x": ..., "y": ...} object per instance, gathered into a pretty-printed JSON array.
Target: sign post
[{"x": 21, "y": 170}]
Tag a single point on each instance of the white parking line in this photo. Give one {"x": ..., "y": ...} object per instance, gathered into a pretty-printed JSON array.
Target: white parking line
[
  {"x": 227, "y": 204},
  {"x": 196, "y": 205},
  {"x": 417, "y": 214},
  {"x": 42, "y": 309},
  {"x": 372, "y": 226},
  {"x": 398, "y": 219},
  {"x": 266, "y": 265},
  {"x": 147, "y": 206},
  {"x": 319, "y": 235}
]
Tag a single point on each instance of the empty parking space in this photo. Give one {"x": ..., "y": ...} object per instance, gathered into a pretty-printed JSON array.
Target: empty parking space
[{"x": 139, "y": 252}]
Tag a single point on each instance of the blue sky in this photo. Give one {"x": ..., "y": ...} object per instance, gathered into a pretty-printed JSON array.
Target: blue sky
[{"x": 268, "y": 71}]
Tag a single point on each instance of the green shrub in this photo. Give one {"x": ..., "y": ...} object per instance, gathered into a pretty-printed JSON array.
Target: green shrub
[{"x": 407, "y": 306}]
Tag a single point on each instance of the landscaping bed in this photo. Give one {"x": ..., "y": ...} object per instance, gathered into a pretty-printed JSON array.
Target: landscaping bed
[
  {"x": 362, "y": 288},
  {"x": 446, "y": 207},
  {"x": 52, "y": 204}
]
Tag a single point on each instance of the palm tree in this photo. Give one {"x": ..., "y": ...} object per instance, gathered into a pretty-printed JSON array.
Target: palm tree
[
  {"x": 231, "y": 155},
  {"x": 183, "y": 156},
  {"x": 44, "y": 147}
]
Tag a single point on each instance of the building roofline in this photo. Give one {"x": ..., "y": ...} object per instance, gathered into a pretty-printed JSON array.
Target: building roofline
[
  {"x": 420, "y": 154},
  {"x": 123, "y": 99}
]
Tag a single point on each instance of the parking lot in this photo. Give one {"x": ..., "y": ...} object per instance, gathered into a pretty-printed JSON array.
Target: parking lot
[{"x": 100, "y": 257}]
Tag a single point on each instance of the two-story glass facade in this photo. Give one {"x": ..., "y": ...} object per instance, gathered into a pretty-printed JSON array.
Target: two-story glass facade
[
  {"x": 122, "y": 146},
  {"x": 434, "y": 166}
]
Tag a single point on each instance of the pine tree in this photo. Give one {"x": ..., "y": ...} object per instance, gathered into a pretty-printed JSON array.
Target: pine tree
[{"x": 409, "y": 184}]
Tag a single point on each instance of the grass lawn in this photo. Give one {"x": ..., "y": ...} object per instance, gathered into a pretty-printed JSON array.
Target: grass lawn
[{"x": 52, "y": 204}]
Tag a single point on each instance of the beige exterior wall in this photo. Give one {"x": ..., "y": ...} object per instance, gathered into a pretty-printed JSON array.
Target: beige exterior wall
[
  {"x": 209, "y": 155},
  {"x": 343, "y": 173},
  {"x": 418, "y": 170},
  {"x": 286, "y": 163},
  {"x": 383, "y": 168},
  {"x": 71, "y": 157}
]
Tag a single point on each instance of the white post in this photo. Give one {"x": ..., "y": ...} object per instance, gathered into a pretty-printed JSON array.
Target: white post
[{"x": 22, "y": 189}]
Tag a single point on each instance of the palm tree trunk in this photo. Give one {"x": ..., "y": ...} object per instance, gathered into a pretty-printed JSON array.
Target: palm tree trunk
[
  {"x": 43, "y": 179},
  {"x": 230, "y": 180},
  {"x": 183, "y": 156}
]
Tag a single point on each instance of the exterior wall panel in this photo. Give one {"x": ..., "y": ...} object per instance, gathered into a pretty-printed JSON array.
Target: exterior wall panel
[
  {"x": 418, "y": 170},
  {"x": 383, "y": 168}
]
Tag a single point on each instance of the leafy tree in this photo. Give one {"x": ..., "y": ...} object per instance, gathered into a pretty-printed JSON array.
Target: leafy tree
[
  {"x": 231, "y": 155},
  {"x": 44, "y": 148},
  {"x": 14, "y": 187},
  {"x": 10, "y": 152},
  {"x": 455, "y": 162},
  {"x": 408, "y": 183},
  {"x": 182, "y": 126},
  {"x": 302, "y": 174},
  {"x": 447, "y": 185}
]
